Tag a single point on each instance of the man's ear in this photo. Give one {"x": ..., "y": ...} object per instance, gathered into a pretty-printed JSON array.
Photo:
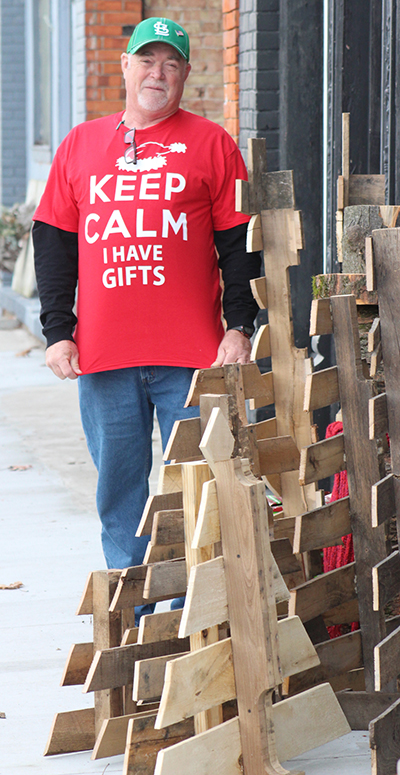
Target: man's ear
[
  {"x": 124, "y": 62},
  {"x": 188, "y": 69}
]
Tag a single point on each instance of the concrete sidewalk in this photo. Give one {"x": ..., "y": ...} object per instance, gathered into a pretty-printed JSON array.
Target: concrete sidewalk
[{"x": 50, "y": 539}]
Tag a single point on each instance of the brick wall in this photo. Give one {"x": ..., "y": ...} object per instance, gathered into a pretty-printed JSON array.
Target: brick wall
[
  {"x": 108, "y": 28},
  {"x": 202, "y": 19},
  {"x": 230, "y": 21}
]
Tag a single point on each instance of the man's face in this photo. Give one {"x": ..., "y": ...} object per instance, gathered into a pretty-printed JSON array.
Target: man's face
[{"x": 154, "y": 79}]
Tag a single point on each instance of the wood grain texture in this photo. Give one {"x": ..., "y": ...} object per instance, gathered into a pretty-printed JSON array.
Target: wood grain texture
[
  {"x": 322, "y": 459},
  {"x": 323, "y": 593},
  {"x": 143, "y": 743},
  {"x": 320, "y": 317},
  {"x": 387, "y": 660},
  {"x": 161, "y": 502},
  {"x": 71, "y": 731},
  {"x": 384, "y": 740},
  {"x": 321, "y": 389},
  {"x": 378, "y": 416},
  {"x": 164, "y": 581},
  {"x": 148, "y": 677},
  {"x": 163, "y": 625},
  {"x": 337, "y": 656},
  {"x": 386, "y": 580},
  {"x": 183, "y": 443},
  {"x": 362, "y": 707},
  {"x": 322, "y": 527},
  {"x": 114, "y": 667},
  {"x": 207, "y": 530},
  {"x": 217, "y": 750},
  {"x": 107, "y": 632},
  {"x": 129, "y": 589},
  {"x": 77, "y": 665},
  {"x": 111, "y": 740},
  {"x": 383, "y": 501},
  {"x": 262, "y": 344}
]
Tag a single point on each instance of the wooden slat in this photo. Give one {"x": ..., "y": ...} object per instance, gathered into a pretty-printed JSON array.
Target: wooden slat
[
  {"x": 164, "y": 502},
  {"x": 320, "y": 318},
  {"x": 86, "y": 602},
  {"x": 129, "y": 590},
  {"x": 262, "y": 344},
  {"x": 130, "y": 636},
  {"x": 165, "y": 580},
  {"x": 308, "y": 720},
  {"x": 163, "y": 625},
  {"x": 143, "y": 743},
  {"x": 266, "y": 397},
  {"x": 374, "y": 335},
  {"x": 71, "y": 731},
  {"x": 322, "y": 459},
  {"x": 286, "y": 561},
  {"x": 360, "y": 708},
  {"x": 384, "y": 741},
  {"x": 322, "y": 527},
  {"x": 156, "y": 553},
  {"x": 346, "y": 613},
  {"x": 183, "y": 443},
  {"x": 266, "y": 429},
  {"x": 259, "y": 290},
  {"x": 386, "y": 580},
  {"x": 197, "y": 682},
  {"x": 378, "y": 416},
  {"x": 383, "y": 502},
  {"x": 376, "y": 360},
  {"x": 114, "y": 667},
  {"x": 169, "y": 479},
  {"x": 207, "y": 530},
  {"x": 206, "y": 602},
  {"x": 366, "y": 190},
  {"x": 107, "y": 631},
  {"x": 168, "y": 527},
  {"x": 337, "y": 656},
  {"x": 370, "y": 275},
  {"x": 284, "y": 527},
  {"x": 148, "y": 678},
  {"x": 254, "y": 238},
  {"x": 321, "y": 389},
  {"x": 387, "y": 660},
  {"x": 205, "y": 381},
  {"x": 216, "y": 751},
  {"x": 77, "y": 665},
  {"x": 278, "y": 455},
  {"x": 111, "y": 740},
  {"x": 322, "y": 593}
]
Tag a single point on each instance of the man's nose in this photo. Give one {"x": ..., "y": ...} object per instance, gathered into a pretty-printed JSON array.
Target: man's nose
[{"x": 157, "y": 70}]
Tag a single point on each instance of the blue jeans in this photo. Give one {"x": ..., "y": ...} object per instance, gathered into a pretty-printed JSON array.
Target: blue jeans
[{"x": 117, "y": 410}]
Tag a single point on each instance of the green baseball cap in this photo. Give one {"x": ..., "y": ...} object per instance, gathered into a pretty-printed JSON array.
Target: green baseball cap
[{"x": 157, "y": 30}]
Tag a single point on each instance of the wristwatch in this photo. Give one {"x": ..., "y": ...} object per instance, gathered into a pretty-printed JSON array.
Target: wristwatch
[{"x": 247, "y": 331}]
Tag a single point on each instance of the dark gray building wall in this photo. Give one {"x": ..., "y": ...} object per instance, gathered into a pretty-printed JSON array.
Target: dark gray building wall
[
  {"x": 13, "y": 108},
  {"x": 259, "y": 75}
]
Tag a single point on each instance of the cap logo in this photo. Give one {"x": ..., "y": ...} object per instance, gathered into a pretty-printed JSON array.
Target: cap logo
[
  {"x": 179, "y": 33},
  {"x": 161, "y": 29}
]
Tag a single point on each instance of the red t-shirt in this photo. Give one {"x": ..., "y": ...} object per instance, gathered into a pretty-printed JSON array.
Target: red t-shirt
[{"x": 149, "y": 291}]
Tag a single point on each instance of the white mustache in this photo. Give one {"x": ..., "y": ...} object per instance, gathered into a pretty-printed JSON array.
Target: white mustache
[{"x": 157, "y": 84}]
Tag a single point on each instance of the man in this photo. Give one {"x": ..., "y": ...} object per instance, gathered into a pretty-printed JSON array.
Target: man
[{"x": 135, "y": 205}]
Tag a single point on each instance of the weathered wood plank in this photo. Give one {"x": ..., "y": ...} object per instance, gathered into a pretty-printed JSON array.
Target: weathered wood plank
[
  {"x": 163, "y": 625},
  {"x": 336, "y": 656},
  {"x": 383, "y": 502},
  {"x": 156, "y": 553},
  {"x": 387, "y": 660},
  {"x": 216, "y": 751},
  {"x": 111, "y": 740},
  {"x": 320, "y": 317},
  {"x": 163, "y": 502},
  {"x": 321, "y": 389},
  {"x": 71, "y": 731},
  {"x": 114, "y": 667},
  {"x": 77, "y": 665},
  {"x": 322, "y": 593},
  {"x": 384, "y": 740},
  {"x": 148, "y": 677},
  {"x": 183, "y": 443},
  {"x": 165, "y": 580},
  {"x": 322, "y": 459},
  {"x": 278, "y": 455},
  {"x": 386, "y": 580},
  {"x": 259, "y": 290},
  {"x": 143, "y": 743},
  {"x": 168, "y": 527},
  {"x": 207, "y": 530},
  {"x": 262, "y": 344},
  {"x": 322, "y": 527},
  {"x": 129, "y": 590},
  {"x": 378, "y": 416},
  {"x": 360, "y": 708}
]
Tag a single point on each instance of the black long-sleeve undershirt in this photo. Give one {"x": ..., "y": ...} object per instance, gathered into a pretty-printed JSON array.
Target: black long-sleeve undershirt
[{"x": 56, "y": 264}]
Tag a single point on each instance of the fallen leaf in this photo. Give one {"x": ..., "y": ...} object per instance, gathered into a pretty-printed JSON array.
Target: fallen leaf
[
  {"x": 3, "y": 715},
  {"x": 14, "y": 585},
  {"x": 19, "y": 468}
]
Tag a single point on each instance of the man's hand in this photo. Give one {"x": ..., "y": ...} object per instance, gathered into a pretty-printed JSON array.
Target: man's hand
[
  {"x": 63, "y": 358},
  {"x": 234, "y": 348}
]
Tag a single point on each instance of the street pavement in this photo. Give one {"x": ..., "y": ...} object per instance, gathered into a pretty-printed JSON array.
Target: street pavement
[{"x": 50, "y": 541}]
